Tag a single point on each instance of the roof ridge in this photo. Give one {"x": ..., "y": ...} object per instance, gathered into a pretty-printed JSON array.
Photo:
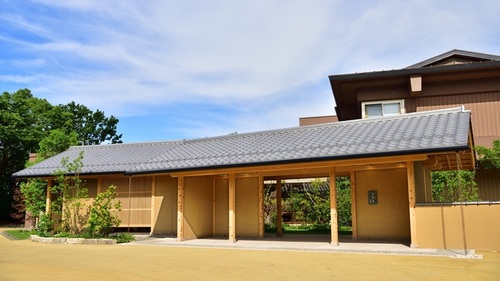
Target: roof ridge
[{"x": 451, "y": 53}]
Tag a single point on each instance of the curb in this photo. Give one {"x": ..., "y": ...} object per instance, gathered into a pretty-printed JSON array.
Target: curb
[{"x": 57, "y": 240}]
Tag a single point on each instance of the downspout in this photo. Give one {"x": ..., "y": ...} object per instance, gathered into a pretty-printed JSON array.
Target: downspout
[{"x": 129, "y": 201}]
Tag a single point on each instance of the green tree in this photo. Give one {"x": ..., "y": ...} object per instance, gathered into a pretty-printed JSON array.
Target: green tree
[
  {"x": 454, "y": 186},
  {"x": 489, "y": 157},
  {"x": 29, "y": 124},
  {"x": 22, "y": 125},
  {"x": 70, "y": 192},
  {"x": 92, "y": 127},
  {"x": 34, "y": 195}
]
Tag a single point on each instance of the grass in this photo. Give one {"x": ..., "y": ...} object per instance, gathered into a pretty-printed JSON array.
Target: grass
[
  {"x": 310, "y": 229},
  {"x": 19, "y": 234}
]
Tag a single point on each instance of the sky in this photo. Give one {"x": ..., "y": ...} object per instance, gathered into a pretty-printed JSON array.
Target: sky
[{"x": 171, "y": 70}]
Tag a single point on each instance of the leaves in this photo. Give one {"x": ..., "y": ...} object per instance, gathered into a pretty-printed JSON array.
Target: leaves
[
  {"x": 101, "y": 219},
  {"x": 489, "y": 157}
]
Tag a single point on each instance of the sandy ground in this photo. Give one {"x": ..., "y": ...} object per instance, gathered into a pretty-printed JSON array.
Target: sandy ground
[{"x": 26, "y": 260}]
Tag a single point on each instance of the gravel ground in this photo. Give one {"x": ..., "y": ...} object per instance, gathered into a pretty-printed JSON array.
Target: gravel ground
[{"x": 26, "y": 260}]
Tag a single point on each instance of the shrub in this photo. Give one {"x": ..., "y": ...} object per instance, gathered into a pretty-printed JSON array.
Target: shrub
[{"x": 101, "y": 220}]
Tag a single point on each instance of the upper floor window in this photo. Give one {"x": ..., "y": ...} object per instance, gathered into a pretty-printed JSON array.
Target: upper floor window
[{"x": 382, "y": 108}]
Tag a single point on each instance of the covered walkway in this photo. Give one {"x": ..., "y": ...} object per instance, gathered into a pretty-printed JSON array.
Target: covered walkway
[{"x": 306, "y": 242}]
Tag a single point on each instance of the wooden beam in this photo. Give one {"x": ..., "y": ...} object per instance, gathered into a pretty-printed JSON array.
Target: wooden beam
[
  {"x": 410, "y": 173},
  {"x": 333, "y": 208},
  {"x": 180, "y": 209},
  {"x": 261, "y": 207},
  {"x": 304, "y": 167},
  {"x": 279, "y": 211},
  {"x": 232, "y": 208},
  {"x": 353, "y": 206}
]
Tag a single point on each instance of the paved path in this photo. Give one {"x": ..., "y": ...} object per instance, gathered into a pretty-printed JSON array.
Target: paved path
[{"x": 309, "y": 243}]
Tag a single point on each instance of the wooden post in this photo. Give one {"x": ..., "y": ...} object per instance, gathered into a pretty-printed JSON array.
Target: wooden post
[
  {"x": 279, "y": 218},
  {"x": 261, "y": 207},
  {"x": 333, "y": 208},
  {"x": 213, "y": 206},
  {"x": 153, "y": 196},
  {"x": 232, "y": 208},
  {"x": 410, "y": 172},
  {"x": 353, "y": 206},
  {"x": 48, "y": 199},
  {"x": 180, "y": 209}
]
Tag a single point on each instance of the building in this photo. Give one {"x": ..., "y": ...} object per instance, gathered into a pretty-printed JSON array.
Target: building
[
  {"x": 214, "y": 186},
  {"x": 455, "y": 78}
]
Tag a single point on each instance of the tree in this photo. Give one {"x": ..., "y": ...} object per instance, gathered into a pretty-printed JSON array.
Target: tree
[
  {"x": 22, "y": 125},
  {"x": 489, "y": 157},
  {"x": 70, "y": 191},
  {"x": 454, "y": 186},
  {"x": 92, "y": 127},
  {"x": 29, "y": 124}
]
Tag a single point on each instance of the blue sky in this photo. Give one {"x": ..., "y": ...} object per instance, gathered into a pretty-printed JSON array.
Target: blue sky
[{"x": 186, "y": 69}]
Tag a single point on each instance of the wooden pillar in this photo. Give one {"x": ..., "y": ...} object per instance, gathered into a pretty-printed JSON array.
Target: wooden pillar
[
  {"x": 353, "y": 206},
  {"x": 427, "y": 184},
  {"x": 153, "y": 196},
  {"x": 279, "y": 218},
  {"x": 333, "y": 208},
  {"x": 261, "y": 207},
  {"x": 410, "y": 172},
  {"x": 232, "y": 208},
  {"x": 48, "y": 197},
  {"x": 180, "y": 209},
  {"x": 213, "y": 206}
]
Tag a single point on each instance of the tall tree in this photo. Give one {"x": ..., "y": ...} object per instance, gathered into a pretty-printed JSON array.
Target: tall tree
[
  {"x": 489, "y": 157},
  {"x": 30, "y": 124},
  {"x": 92, "y": 127},
  {"x": 22, "y": 124}
]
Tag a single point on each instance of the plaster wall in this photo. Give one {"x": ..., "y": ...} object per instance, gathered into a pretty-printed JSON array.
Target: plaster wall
[
  {"x": 444, "y": 227},
  {"x": 247, "y": 207},
  {"x": 198, "y": 212},
  {"x": 165, "y": 206},
  {"x": 221, "y": 207},
  {"x": 389, "y": 218}
]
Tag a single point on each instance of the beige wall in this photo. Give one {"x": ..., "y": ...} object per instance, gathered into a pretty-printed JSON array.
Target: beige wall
[
  {"x": 389, "y": 219},
  {"x": 165, "y": 206},
  {"x": 221, "y": 207},
  {"x": 198, "y": 212},
  {"x": 135, "y": 200},
  {"x": 442, "y": 227},
  {"x": 247, "y": 207}
]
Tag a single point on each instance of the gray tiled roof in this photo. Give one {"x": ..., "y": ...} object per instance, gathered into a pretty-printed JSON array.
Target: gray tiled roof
[{"x": 442, "y": 130}]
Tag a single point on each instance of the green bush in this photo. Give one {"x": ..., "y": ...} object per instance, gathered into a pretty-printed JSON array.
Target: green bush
[
  {"x": 123, "y": 237},
  {"x": 101, "y": 220}
]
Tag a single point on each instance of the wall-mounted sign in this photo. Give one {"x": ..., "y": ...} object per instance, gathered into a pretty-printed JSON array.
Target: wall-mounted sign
[{"x": 372, "y": 197}]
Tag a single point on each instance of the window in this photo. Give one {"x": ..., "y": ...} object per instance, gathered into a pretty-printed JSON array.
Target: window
[{"x": 382, "y": 108}]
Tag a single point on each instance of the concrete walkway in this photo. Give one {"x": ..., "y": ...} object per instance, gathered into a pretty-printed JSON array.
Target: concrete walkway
[{"x": 309, "y": 243}]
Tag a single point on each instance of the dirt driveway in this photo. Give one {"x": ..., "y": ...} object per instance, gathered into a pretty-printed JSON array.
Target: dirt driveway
[{"x": 26, "y": 260}]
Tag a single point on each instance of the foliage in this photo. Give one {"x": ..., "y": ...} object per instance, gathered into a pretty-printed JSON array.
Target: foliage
[
  {"x": 123, "y": 237},
  {"x": 344, "y": 215},
  {"x": 70, "y": 192},
  {"x": 101, "y": 220},
  {"x": 45, "y": 225},
  {"x": 57, "y": 141},
  {"x": 25, "y": 121},
  {"x": 489, "y": 157},
  {"x": 454, "y": 186},
  {"x": 311, "y": 206},
  {"x": 34, "y": 193}
]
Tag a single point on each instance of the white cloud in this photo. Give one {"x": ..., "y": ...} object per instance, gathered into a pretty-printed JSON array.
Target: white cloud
[{"x": 129, "y": 58}]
